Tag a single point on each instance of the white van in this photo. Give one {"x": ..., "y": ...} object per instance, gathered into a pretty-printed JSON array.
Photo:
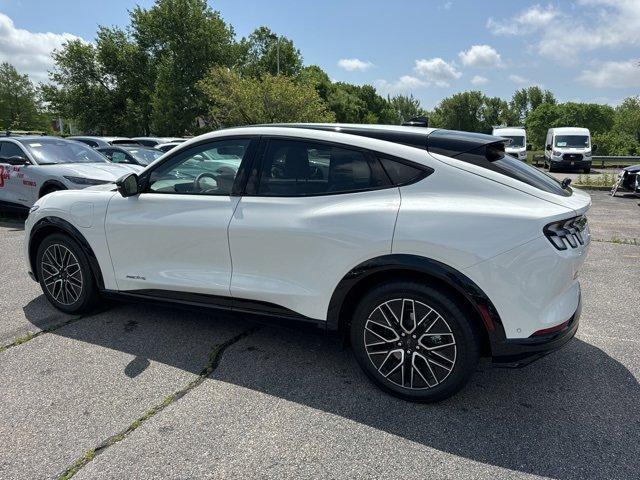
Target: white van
[
  {"x": 518, "y": 136},
  {"x": 568, "y": 148}
]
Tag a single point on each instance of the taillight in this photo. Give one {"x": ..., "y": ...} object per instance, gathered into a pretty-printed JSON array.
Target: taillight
[{"x": 567, "y": 233}]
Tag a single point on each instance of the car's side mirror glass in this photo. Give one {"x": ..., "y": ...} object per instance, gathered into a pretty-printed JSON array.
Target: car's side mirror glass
[
  {"x": 548, "y": 147},
  {"x": 594, "y": 148},
  {"x": 129, "y": 185},
  {"x": 529, "y": 147}
]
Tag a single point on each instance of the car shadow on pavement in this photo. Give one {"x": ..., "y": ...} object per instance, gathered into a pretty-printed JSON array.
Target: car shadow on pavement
[{"x": 573, "y": 414}]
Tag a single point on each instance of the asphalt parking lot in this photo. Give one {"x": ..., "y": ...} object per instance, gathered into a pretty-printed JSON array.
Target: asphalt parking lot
[{"x": 147, "y": 391}]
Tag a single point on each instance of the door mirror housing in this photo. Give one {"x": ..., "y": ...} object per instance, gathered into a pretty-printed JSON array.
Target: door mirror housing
[
  {"x": 18, "y": 160},
  {"x": 529, "y": 147},
  {"x": 548, "y": 147},
  {"x": 594, "y": 148},
  {"x": 128, "y": 185}
]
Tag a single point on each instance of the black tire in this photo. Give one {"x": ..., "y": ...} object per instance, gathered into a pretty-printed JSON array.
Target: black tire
[
  {"x": 51, "y": 189},
  {"x": 436, "y": 384},
  {"x": 77, "y": 282}
]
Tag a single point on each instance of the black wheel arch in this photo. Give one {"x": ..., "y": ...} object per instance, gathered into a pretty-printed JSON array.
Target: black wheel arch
[
  {"x": 50, "y": 225},
  {"x": 425, "y": 270},
  {"x": 51, "y": 184}
]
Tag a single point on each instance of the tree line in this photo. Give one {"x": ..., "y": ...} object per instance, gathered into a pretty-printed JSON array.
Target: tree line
[{"x": 177, "y": 69}]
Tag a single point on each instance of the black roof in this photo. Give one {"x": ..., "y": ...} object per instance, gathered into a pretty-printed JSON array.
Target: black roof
[{"x": 445, "y": 142}]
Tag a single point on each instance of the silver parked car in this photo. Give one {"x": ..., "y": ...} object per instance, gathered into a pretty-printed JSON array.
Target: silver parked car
[{"x": 31, "y": 167}]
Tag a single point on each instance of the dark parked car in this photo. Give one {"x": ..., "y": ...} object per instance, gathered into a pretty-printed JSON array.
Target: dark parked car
[
  {"x": 134, "y": 154},
  {"x": 97, "y": 142}
]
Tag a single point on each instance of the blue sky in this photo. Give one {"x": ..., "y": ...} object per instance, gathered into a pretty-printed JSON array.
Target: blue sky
[{"x": 585, "y": 50}]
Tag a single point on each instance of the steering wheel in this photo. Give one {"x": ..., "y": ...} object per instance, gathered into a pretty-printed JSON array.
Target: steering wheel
[{"x": 196, "y": 182}]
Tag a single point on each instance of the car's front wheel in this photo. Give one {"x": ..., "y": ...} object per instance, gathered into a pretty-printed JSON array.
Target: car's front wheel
[
  {"x": 414, "y": 342},
  {"x": 65, "y": 276}
]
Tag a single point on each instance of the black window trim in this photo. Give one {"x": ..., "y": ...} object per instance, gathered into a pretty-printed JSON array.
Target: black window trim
[
  {"x": 372, "y": 156},
  {"x": 239, "y": 181}
]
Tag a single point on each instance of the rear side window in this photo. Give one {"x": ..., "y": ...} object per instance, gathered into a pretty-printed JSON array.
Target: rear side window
[
  {"x": 492, "y": 157},
  {"x": 300, "y": 168},
  {"x": 401, "y": 173}
]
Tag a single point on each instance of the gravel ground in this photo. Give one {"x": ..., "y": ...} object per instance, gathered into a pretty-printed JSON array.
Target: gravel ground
[{"x": 156, "y": 392}]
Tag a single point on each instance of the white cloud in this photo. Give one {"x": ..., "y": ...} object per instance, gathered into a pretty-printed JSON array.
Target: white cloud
[
  {"x": 591, "y": 25},
  {"x": 519, "y": 80},
  {"x": 613, "y": 74},
  {"x": 437, "y": 71},
  {"x": 446, "y": 6},
  {"x": 405, "y": 84},
  {"x": 615, "y": 23},
  {"x": 479, "y": 80},
  {"x": 528, "y": 21},
  {"x": 29, "y": 52},
  {"x": 354, "y": 64},
  {"x": 480, "y": 56}
]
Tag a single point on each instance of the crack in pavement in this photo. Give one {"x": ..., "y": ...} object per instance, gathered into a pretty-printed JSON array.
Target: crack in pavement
[
  {"x": 31, "y": 336},
  {"x": 214, "y": 360}
]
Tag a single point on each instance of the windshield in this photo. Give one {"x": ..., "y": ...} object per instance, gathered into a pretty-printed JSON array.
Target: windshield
[
  {"x": 143, "y": 155},
  {"x": 50, "y": 151},
  {"x": 516, "y": 141},
  {"x": 572, "y": 141}
]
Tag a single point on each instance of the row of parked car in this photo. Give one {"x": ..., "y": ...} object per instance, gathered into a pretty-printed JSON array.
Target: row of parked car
[{"x": 33, "y": 166}]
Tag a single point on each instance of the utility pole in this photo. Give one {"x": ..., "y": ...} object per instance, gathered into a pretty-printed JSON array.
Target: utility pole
[{"x": 278, "y": 52}]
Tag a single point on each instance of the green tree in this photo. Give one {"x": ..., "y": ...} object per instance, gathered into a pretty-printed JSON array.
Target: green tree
[
  {"x": 616, "y": 142},
  {"x": 597, "y": 118},
  {"x": 241, "y": 100},
  {"x": 19, "y": 103},
  {"x": 528, "y": 99},
  {"x": 80, "y": 89},
  {"x": 471, "y": 111},
  {"x": 543, "y": 117},
  {"x": 627, "y": 117},
  {"x": 265, "y": 52},
  {"x": 184, "y": 39},
  {"x": 406, "y": 107}
]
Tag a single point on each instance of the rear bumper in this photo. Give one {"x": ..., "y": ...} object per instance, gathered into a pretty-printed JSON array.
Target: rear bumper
[{"x": 522, "y": 351}]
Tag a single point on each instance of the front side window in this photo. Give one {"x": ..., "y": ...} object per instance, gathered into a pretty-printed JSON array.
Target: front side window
[
  {"x": 572, "y": 141},
  {"x": 209, "y": 169},
  {"x": 8, "y": 149},
  {"x": 300, "y": 168}
]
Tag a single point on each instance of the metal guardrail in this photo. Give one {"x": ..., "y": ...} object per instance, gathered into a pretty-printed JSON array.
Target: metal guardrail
[
  {"x": 615, "y": 160},
  {"x": 612, "y": 160}
]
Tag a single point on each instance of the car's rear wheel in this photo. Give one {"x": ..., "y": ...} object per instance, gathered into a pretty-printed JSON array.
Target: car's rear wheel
[
  {"x": 65, "y": 276},
  {"x": 414, "y": 342}
]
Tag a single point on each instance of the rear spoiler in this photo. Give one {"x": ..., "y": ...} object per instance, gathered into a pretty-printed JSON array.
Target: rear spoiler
[{"x": 453, "y": 143}]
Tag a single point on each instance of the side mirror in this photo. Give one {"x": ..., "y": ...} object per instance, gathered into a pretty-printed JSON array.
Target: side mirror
[
  {"x": 128, "y": 185},
  {"x": 594, "y": 148},
  {"x": 529, "y": 147},
  {"x": 548, "y": 147},
  {"x": 17, "y": 160}
]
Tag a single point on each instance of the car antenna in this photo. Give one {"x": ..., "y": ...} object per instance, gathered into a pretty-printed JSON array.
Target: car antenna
[{"x": 565, "y": 183}]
